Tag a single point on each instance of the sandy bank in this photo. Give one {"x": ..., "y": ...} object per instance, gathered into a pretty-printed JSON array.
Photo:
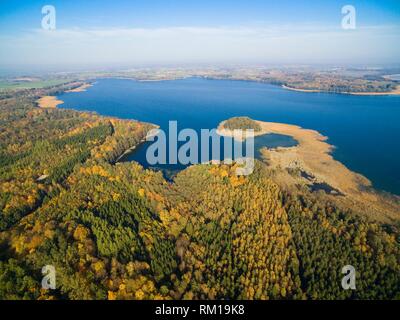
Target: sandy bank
[
  {"x": 300, "y": 90},
  {"x": 53, "y": 101},
  {"x": 49, "y": 102},
  {"x": 81, "y": 88}
]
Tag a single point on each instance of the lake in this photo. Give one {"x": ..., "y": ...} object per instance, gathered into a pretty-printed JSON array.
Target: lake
[{"x": 363, "y": 129}]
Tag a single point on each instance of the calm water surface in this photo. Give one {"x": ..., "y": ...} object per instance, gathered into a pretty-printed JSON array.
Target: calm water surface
[{"x": 364, "y": 129}]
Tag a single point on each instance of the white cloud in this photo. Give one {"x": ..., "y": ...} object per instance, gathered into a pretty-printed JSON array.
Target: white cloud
[{"x": 275, "y": 44}]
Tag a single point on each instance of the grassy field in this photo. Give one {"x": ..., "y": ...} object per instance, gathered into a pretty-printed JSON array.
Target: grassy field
[{"x": 4, "y": 85}]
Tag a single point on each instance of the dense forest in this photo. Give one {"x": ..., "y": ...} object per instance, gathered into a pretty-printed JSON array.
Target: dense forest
[
  {"x": 241, "y": 123},
  {"x": 117, "y": 231}
]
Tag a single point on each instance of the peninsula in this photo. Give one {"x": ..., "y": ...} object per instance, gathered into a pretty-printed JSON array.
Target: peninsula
[
  {"x": 312, "y": 158},
  {"x": 49, "y": 102}
]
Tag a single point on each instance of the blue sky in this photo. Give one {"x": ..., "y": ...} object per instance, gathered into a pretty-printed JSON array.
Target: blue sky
[
  {"x": 198, "y": 31},
  {"x": 18, "y": 15}
]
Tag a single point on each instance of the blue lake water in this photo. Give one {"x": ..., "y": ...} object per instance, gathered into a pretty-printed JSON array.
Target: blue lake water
[{"x": 364, "y": 129}]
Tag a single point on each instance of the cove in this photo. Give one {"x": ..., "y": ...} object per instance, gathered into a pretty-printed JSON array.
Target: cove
[{"x": 363, "y": 129}]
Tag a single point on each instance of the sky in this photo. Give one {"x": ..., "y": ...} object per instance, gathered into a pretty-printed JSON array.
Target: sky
[{"x": 147, "y": 32}]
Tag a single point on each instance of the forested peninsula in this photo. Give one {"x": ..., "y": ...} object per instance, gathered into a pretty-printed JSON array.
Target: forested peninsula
[{"x": 118, "y": 231}]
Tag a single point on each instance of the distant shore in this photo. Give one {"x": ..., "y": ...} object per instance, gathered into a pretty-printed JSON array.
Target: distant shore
[
  {"x": 81, "y": 88},
  {"x": 312, "y": 158},
  {"x": 311, "y": 155},
  {"x": 52, "y": 102},
  {"x": 394, "y": 92},
  {"x": 300, "y": 90}
]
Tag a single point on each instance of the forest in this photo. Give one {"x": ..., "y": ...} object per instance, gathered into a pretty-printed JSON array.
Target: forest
[
  {"x": 241, "y": 123},
  {"x": 114, "y": 230}
]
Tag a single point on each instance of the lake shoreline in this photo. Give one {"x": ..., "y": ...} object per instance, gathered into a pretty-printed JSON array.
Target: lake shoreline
[
  {"x": 52, "y": 102},
  {"x": 49, "y": 102},
  {"x": 127, "y": 86},
  {"x": 389, "y": 93},
  {"x": 312, "y": 156},
  {"x": 81, "y": 88}
]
